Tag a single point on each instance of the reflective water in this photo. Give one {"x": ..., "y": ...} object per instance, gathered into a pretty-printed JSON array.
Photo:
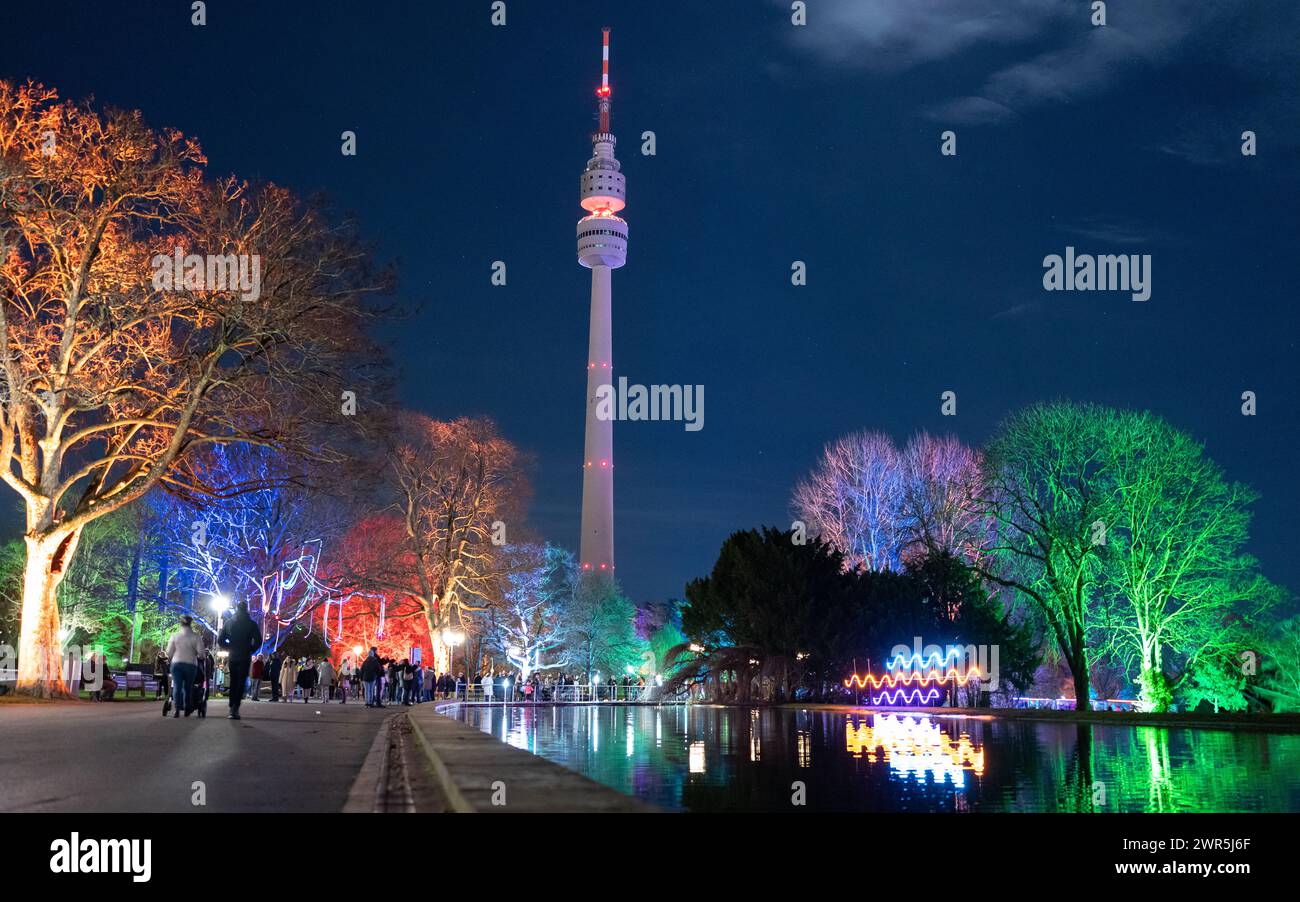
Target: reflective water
[{"x": 707, "y": 758}]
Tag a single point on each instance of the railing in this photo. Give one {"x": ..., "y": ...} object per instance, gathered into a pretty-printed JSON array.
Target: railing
[{"x": 569, "y": 692}]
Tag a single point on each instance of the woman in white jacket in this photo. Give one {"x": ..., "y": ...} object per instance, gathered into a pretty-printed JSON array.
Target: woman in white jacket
[
  {"x": 288, "y": 679},
  {"x": 184, "y": 650},
  {"x": 346, "y": 670}
]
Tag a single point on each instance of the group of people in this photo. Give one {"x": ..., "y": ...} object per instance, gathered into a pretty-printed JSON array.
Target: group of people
[
  {"x": 537, "y": 688},
  {"x": 188, "y": 665},
  {"x": 400, "y": 682}
]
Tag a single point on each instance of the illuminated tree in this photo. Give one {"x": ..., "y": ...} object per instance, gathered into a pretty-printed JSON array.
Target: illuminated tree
[
  {"x": 391, "y": 619},
  {"x": 882, "y": 507},
  {"x": 113, "y": 374},
  {"x": 1175, "y": 569},
  {"x": 1046, "y": 492},
  {"x": 530, "y": 624},
  {"x": 602, "y": 628},
  {"x": 267, "y": 541},
  {"x": 451, "y": 482},
  {"x": 1280, "y": 668},
  {"x": 940, "y": 477},
  {"x": 853, "y": 499}
]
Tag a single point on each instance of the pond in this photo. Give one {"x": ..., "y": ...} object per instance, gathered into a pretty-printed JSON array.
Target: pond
[{"x": 712, "y": 758}]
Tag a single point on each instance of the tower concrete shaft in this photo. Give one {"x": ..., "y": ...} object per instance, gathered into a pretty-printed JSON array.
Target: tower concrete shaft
[{"x": 602, "y": 248}]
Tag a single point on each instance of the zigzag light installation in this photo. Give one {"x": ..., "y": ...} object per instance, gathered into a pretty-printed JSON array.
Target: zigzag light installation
[{"x": 924, "y": 673}]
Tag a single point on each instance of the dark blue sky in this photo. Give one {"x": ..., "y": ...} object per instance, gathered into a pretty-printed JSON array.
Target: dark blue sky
[{"x": 775, "y": 143}]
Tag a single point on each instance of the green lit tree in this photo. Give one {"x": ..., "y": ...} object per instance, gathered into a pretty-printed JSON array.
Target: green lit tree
[
  {"x": 601, "y": 628},
  {"x": 1175, "y": 578},
  {"x": 1046, "y": 490},
  {"x": 1279, "y": 682}
]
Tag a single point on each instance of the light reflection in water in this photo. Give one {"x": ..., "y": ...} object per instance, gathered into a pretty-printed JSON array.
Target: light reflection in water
[
  {"x": 714, "y": 758},
  {"x": 914, "y": 747},
  {"x": 697, "y": 757}
]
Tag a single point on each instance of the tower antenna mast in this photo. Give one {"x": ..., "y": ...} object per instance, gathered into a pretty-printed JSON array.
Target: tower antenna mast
[{"x": 604, "y": 91}]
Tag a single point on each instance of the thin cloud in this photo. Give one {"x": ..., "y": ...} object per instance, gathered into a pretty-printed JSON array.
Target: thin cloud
[{"x": 1070, "y": 60}]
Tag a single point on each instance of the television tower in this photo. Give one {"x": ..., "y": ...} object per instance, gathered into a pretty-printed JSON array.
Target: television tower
[{"x": 602, "y": 248}]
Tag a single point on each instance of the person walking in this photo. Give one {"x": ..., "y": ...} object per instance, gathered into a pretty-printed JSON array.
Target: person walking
[
  {"x": 347, "y": 671},
  {"x": 371, "y": 671},
  {"x": 240, "y": 637},
  {"x": 326, "y": 677},
  {"x": 288, "y": 676},
  {"x": 272, "y": 672},
  {"x": 394, "y": 681},
  {"x": 307, "y": 680},
  {"x": 255, "y": 678},
  {"x": 184, "y": 649},
  {"x": 417, "y": 684},
  {"x": 406, "y": 672}
]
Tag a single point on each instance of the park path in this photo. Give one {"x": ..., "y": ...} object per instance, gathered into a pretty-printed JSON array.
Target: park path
[{"x": 124, "y": 756}]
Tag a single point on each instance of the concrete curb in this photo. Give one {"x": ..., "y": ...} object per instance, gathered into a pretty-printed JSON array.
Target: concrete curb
[
  {"x": 363, "y": 797},
  {"x": 478, "y": 773}
]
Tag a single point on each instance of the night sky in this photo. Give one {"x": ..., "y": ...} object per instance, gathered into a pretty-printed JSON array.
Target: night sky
[{"x": 775, "y": 143}]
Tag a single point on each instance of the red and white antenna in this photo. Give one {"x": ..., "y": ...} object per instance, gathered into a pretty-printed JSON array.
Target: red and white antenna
[
  {"x": 604, "y": 62},
  {"x": 603, "y": 91}
]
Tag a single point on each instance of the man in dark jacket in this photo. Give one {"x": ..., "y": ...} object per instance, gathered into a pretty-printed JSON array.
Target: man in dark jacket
[
  {"x": 371, "y": 671},
  {"x": 273, "y": 674},
  {"x": 240, "y": 637}
]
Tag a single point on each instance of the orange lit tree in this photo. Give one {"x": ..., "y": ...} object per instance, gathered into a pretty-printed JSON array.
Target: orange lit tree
[
  {"x": 111, "y": 376},
  {"x": 449, "y": 482}
]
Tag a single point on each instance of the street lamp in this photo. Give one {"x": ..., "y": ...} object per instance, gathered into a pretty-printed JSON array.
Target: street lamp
[
  {"x": 220, "y": 604},
  {"x": 451, "y": 638}
]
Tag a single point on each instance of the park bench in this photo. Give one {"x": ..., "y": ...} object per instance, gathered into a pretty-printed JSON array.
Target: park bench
[{"x": 132, "y": 679}]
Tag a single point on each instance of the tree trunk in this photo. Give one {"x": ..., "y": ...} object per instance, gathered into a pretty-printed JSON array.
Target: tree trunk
[
  {"x": 1082, "y": 696},
  {"x": 40, "y": 655}
]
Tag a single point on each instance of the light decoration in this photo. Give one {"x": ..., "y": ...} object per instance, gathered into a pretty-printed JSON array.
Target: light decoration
[
  {"x": 914, "y": 748},
  {"x": 301, "y": 572},
  {"x": 913, "y": 673}
]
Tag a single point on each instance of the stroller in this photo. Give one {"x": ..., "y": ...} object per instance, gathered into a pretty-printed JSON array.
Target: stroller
[{"x": 198, "y": 700}]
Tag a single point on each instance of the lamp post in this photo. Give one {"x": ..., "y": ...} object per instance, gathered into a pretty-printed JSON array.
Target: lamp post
[{"x": 451, "y": 638}]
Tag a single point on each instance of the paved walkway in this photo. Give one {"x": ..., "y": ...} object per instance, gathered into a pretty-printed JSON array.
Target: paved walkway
[{"x": 124, "y": 756}]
